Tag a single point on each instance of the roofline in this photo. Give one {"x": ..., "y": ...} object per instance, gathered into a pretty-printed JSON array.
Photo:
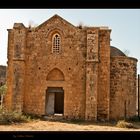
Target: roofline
[
  {"x": 39, "y": 26},
  {"x": 125, "y": 57}
]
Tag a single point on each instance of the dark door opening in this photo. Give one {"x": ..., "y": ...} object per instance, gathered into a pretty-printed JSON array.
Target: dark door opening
[
  {"x": 59, "y": 103},
  {"x": 54, "y": 100}
]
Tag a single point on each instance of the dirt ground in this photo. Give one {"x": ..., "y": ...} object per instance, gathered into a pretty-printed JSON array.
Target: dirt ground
[{"x": 51, "y": 125}]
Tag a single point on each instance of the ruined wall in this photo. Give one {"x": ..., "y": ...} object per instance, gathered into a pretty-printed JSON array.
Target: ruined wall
[
  {"x": 123, "y": 87},
  {"x": 92, "y": 74},
  {"x": 138, "y": 91},
  {"x": 2, "y": 75},
  {"x": 104, "y": 75},
  {"x": 16, "y": 67},
  {"x": 9, "y": 78}
]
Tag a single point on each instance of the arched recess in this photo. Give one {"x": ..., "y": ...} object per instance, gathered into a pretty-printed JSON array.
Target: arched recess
[
  {"x": 55, "y": 75},
  {"x": 54, "y": 30}
]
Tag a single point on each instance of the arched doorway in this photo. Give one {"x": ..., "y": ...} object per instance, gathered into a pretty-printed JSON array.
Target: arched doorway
[{"x": 55, "y": 94}]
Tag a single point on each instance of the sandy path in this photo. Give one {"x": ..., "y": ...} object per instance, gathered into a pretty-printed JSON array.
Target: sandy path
[{"x": 61, "y": 126}]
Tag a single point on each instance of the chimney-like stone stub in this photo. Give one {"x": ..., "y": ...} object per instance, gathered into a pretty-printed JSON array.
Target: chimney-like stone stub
[{"x": 18, "y": 25}]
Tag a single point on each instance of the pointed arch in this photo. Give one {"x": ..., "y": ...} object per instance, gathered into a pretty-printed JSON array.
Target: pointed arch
[{"x": 55, "y": 75}]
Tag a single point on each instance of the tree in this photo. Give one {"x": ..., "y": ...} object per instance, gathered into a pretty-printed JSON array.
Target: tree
[{"x": 3, "y": 90}]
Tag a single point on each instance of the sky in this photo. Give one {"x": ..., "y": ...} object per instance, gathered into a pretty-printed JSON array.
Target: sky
[{"x": 124, "y": 23}]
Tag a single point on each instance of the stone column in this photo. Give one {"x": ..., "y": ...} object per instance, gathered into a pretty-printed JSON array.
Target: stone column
[
  {"x": 18, "y": 66},
  {"x": 104, "y": 74},
  {"x": 91, "y": 74}
]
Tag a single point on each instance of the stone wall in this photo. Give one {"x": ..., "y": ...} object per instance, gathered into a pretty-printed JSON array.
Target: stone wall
[
  {"x": 138, "y": 92},
  {"x": 104, "y": 75},
  {"x": 10, "y": 51},
  {"x": 40, "y": 61},
  {"x": 122, "y": 87},
  {"x": 92, "y": 74},
  {"x": 16, "y": 67},
  {"x": 2, "y": 75}
]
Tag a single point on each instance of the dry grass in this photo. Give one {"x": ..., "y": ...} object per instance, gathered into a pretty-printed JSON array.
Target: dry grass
[
  {"x": 60, "y": 124},
  {"x": 124, "y": 124},
  {"x": 40, "y": 125}
]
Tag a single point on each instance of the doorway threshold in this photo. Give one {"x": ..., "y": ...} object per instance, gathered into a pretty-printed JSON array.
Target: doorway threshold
[
  {"x": 57, "y": 114},
  {"x": 54, "y": 117}
]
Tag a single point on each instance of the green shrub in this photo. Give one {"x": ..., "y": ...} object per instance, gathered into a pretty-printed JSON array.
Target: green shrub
[
  {"x": 124, "y": 124},
  {"x": 8, "y": 117}
]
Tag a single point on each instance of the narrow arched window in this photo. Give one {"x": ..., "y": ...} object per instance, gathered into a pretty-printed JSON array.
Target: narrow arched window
[{"x": 56, "y": 43}]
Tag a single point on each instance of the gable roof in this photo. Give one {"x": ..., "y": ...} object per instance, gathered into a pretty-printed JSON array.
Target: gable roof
[{"x": 53, "y": 17}]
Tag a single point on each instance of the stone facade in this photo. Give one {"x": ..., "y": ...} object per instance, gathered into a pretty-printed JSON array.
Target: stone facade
[
  {"x": 2, "y": 75},
  {"x": 59, "y": 68},
  {"x": 123, "y": 87},
  {"x": 138, "y": 95}
]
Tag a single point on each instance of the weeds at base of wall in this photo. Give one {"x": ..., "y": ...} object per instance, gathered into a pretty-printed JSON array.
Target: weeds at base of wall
[
  {"x": 134, "y": 119},
  {"x": 33, "y": 116},
  {"x": 9, "y": 117}
]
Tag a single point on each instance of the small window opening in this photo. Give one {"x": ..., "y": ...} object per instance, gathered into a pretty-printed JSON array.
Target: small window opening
[{"x": 56, "y": 43}]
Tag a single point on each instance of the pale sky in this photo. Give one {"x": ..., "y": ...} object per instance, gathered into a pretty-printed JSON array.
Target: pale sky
[{"x": 125, "y": 25}]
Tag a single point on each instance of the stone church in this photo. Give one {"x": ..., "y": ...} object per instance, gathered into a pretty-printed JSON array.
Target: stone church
[{"x": 58, "y": 68}]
